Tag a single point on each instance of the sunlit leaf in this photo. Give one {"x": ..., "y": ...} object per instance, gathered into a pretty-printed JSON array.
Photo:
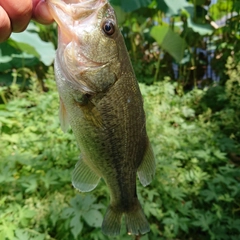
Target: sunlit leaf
[
  {"x": 203, "y": 29},
  {"x": 173, "y": 6},
  {"x": 31, "y": 43},
  {"x": 131, "y": 5},
  {"x": 169, "y": 41},
  {"x": 22, "y": 235}
]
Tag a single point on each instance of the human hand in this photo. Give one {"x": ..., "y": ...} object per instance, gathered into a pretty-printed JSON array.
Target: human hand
[{"x": 16, "y": 14}]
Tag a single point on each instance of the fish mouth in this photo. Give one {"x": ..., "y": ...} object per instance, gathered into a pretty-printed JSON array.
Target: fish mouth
[
  {"x": 73, "y": 12},
  {"x": 73, "y": 17}
]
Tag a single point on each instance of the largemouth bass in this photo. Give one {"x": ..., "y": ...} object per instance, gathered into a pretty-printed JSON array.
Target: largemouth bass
[{"x": 101, "y": 100}]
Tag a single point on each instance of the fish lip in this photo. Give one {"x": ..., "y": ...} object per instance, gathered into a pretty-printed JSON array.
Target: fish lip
[{"x": 73, "y": 8}]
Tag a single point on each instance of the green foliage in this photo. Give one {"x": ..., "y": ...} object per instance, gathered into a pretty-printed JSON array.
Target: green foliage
[
  {"x": 194, "y": 194},
  {"x": 162, "y": 32},
  {"x": 29, "y": 42},
  {"x": 195, "y": 135},
  {"x": 22, "y": 52},
  {"x": 222, "y": 7},
  {"x": 157, "y": 33},
  {"x": 196, "y": 186},
  {"x": 224, "y": 103}
]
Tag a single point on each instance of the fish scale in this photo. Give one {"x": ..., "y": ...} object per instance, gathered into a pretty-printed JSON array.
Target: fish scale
[{"x": 101, "y": 100}]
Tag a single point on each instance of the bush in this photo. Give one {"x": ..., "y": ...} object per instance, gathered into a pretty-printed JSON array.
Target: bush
[
  {"x": 195, "y": 193},
  {"x": 196, "y": 189}
]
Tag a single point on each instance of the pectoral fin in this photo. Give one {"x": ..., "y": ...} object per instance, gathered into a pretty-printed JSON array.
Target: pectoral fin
[
  {"x": 92, "y": 114},
  {"x": 63, "y": 117},
  {"x": 146, "y": 170},
  {"x": 83, "y": 178}
]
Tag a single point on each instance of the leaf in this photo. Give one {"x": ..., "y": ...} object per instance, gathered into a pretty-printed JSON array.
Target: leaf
[
  {"x": 121, "y": 15},
  {"x": 49, "y": 178},
  {"x": 31, "y": 185},
  {"x": 226, "y": 198},
  {"x": 22, "y": 42},
  {"x": 151, "y": 208},
  {"x": 76, "y": 226},
  {"x": 11, "y": 57},
  {"x": 132, "y": 5},
  {"x": 39, "y": 237},
  {"x": 88, "y": 201},
  {"x": 31, "y": 43},
  {"x": 23, "y": 60},
  {"x": 29, "y": 213},
  {"x": 172, "y": 220},
  {"x": 67, "y": 213},
  {"x": 76, "y": 202},
  {"x": 173, "y": 6},
  {"x": 5, "y": 63},
  {"x": 184, "y": 223},
  {"x": 209, "y": 195},
  {"x": 204, "y": 220},
  {"x": 169, "y": 41},
  {"x": 83, "y": 203},
  {"x": 8, "y": 230},
  {"x": 22, "y": 235},
  {"x": 188, "y": 112},
  {"x": 220, "y": 155},
  {"x": 6, "y": 175},
  {"x": 202, "y": 29},
  {"x": 93, "y": 218}
]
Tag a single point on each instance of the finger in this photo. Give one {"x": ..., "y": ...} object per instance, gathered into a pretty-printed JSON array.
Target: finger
[
  {"x": 41, "y": 12},
  {"x": 5, "y": 25},
  {"x": 19, "y": 12}
]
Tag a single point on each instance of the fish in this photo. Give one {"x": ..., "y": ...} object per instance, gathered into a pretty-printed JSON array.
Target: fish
[{"x": 100, "y": 99}]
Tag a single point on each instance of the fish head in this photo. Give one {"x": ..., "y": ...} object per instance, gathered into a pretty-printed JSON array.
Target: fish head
[{"x": 88, "y": 43}]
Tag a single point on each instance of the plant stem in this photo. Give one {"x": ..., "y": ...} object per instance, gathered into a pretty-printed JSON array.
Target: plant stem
[
  {"x": 3, "y": 97},
  {"x": 158, "y": 68}
]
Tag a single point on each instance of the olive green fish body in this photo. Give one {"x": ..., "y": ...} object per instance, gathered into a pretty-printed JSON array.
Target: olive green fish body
[{"x": 101, "y": 100}]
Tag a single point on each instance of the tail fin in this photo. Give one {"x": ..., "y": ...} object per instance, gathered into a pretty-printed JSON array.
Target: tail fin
[
  {"x": 136, "y": 221},
  {"x": 111, "y": 225}
]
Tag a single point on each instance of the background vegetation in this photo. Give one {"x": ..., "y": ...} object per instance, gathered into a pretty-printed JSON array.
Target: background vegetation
[{"x": 186, "y": 58}]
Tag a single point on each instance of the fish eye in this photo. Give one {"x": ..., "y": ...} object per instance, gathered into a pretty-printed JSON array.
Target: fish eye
[{"x": 108, "y": 28}]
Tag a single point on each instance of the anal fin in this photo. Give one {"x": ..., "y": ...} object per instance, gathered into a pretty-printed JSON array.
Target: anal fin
[
  {"x": 146, "y": 170},
  {"x": 84, "y": 179}
]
